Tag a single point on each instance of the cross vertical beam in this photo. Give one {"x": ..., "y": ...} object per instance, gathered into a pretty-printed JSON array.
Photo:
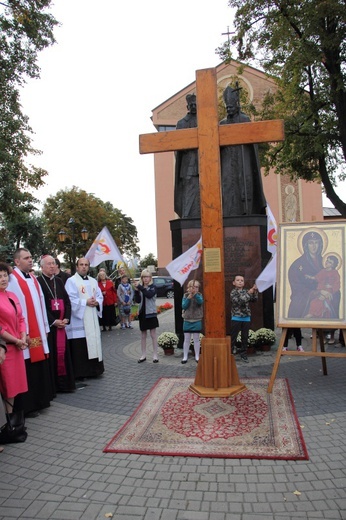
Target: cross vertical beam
[{"x": 211, "y": 201}]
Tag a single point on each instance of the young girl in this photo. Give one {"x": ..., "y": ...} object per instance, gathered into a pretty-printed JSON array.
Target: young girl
[
  {"x": 125, "y": 297},
  {"x": 192, "y": 305},
  {"x": 145, "y": 295}
]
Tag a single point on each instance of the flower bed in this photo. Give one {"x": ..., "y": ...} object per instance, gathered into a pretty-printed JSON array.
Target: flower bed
[
  {"x": 159, "y": 309},
  {"x": 164, "y": 307}
]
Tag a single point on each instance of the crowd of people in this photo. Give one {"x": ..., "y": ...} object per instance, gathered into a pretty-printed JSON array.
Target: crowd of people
[
  {"x": 51, "y": 328},
  {"x": 50, "y": 331}
]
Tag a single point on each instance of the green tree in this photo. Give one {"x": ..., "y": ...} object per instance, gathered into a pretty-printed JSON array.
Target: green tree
[
  {"x": 26, "y": 28},
  {"x": 29, "y": 231},
  {"x": 302, "y": 46},
  {"x": 88, "y": 212},
  {"x": 148, "y": 260}
]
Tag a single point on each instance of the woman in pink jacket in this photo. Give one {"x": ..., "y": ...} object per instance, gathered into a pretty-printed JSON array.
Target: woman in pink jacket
[{"x": 13, "y": 330}]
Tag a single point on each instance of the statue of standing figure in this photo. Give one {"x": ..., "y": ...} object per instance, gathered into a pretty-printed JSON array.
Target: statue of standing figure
[
  {"x": 186, "y": 188},
  {"x": 242, "y": 190}
]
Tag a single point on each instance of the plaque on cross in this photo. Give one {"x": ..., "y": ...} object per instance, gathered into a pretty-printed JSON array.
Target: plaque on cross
[{"x": 215, "y": 372}]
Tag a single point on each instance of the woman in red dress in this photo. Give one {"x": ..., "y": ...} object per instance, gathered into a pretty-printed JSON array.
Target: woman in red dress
[
  {"x": 110, "y": 300},
  {"x": 13, "y": 330}
]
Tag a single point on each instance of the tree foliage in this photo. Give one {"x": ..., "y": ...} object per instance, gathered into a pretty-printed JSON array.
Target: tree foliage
[
  {"x": 302, "y": 45},
  {"x": 149, "y": 259},
  {"x": 88, "y": 212},
  {"x": 29, "y": 231},
  {"x": 26, "y": 28}
]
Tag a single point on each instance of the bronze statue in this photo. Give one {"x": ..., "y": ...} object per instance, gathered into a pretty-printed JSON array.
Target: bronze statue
[
  {"x": 186, "y": 187},
  {"x": 242, "y": 191}
]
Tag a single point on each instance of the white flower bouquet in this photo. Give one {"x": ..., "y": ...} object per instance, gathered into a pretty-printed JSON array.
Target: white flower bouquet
[{"x": 167, "y": 340}]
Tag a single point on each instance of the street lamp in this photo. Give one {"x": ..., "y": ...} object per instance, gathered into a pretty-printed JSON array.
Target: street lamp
[{"x": 62, "y": 235}]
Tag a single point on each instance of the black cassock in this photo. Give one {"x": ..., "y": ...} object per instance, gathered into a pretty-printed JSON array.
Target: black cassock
[{"x": 58, "y": 307}]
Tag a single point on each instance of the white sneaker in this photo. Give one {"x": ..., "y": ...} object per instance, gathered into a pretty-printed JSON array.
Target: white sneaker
[
  {"x": 285, "y": 349},
  {"x": 300, "y": 349}
]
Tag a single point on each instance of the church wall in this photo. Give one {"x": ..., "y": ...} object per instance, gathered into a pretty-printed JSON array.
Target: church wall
[
  {"x": 312, "y": 203},
  {"x": 293, "y": 201}
]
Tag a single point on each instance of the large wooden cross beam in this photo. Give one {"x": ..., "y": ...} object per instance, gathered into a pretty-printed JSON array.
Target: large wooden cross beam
[{"x": 207, "y": 138}]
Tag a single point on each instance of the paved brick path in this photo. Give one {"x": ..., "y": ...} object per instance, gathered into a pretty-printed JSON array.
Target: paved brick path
[{"x": 60, "y": 472}]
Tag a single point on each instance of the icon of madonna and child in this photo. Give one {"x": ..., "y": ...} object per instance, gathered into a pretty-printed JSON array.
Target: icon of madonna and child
[{"x": 315, "y": 279}]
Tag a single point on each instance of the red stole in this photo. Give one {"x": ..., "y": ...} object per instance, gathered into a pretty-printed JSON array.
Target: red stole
[
  {"x": 36, "y": 345},
  {"x": 60, "y": 337}
]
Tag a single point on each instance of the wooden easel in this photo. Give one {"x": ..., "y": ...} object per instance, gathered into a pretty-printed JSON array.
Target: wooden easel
[
  {"x": 216, "y": 371},
  {"x": 316, "y": 332}
]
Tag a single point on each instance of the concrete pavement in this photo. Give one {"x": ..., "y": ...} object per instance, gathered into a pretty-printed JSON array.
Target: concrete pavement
[{"x": 60, "y": 472}]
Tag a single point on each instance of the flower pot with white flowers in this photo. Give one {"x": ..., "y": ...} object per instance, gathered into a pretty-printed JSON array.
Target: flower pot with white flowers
[
  {"x": 265, "y": 338},
  {"x": 168, "y": 342}
]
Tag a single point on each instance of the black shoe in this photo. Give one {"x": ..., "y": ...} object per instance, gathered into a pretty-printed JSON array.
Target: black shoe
[
  {"x": 142, "y": 360},
  {"x": 244, "y": 358},
  {"x": 184, "y": 361},
  {"x": 155, "y": 360}
]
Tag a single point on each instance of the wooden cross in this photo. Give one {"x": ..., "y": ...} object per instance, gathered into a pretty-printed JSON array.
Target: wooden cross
[{"x": 208, "y": 137}]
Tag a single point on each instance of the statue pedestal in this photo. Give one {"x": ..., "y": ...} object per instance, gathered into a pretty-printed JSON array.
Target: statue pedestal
[{"x": 245, "y": 251}]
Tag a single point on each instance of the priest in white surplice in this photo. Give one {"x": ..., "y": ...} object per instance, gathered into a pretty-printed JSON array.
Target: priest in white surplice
[
  {"x": 30, "y": 296},
  {"x": 84, "y": 329}
]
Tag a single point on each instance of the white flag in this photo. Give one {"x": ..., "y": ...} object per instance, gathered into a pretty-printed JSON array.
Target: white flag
[
  {"x": 132, "y": 263},
  {"x": 272, "y": 232},
  {"x": 181, "y": 267},
  {"x": 103, "y": 248},
  {"x": 267, "y": 278}
]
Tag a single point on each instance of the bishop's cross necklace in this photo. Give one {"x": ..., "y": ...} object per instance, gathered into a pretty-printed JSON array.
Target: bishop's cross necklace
[{"x": 54, "y": 296}]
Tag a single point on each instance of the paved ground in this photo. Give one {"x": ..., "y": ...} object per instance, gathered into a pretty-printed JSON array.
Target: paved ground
[{"x": 60, "y": 472}]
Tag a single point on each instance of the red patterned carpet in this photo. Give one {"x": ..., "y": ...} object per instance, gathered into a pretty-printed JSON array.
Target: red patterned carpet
[{"x": 172, "y": 420}]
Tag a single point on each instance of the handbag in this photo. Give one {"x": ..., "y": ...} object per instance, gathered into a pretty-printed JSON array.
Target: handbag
[
  {"x": 14, "y": 429},
  {"x": 117, "y": 318}
]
